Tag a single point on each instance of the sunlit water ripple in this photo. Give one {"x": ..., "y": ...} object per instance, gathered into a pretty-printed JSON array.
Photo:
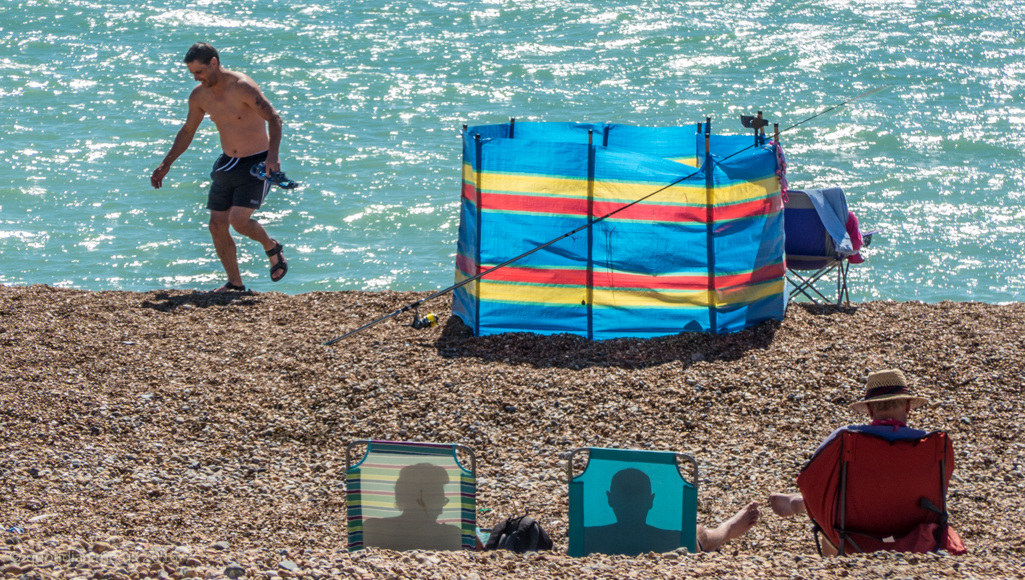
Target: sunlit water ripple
[{"x": 373, "y": 94}]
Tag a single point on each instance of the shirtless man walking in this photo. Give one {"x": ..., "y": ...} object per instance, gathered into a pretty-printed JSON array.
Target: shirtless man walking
[{"x": 242, "y": 115}]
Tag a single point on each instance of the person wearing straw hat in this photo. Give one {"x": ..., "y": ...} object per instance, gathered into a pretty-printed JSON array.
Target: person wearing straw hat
[{"x": 888, "y": 401}]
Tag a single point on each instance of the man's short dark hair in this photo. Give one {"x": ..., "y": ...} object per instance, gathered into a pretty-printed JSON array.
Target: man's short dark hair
[{"x": 203, "y": 52}]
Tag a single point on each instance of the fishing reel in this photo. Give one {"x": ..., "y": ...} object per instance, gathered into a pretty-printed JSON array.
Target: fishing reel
[{"x": 425, "y": 322}]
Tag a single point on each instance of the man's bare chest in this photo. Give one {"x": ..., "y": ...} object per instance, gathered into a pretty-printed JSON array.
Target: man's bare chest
[{"x": 228, "y": 109}]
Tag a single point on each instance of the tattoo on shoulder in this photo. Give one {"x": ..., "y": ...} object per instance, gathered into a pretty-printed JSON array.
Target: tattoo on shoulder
[{"x": 262, "y": 103}]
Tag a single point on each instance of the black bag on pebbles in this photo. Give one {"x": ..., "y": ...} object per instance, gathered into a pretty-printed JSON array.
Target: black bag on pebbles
[{"x": 521, "y": 534}]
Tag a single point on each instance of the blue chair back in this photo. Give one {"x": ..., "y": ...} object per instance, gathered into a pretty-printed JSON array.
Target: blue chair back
[{"x": 805, "y": 234}]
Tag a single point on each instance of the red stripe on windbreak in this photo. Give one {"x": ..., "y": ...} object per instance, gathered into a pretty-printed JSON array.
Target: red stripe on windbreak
[
  {"x": 533, "y": 203},
  {"x": 763, "y": 274},
  {"x": 604, "y": 279},
  {"x": 465, "y": 265},
  {"x": 675, "y": 213},
  {"x": 539, "y": 276},
  {"x": 643, "y": 212}
]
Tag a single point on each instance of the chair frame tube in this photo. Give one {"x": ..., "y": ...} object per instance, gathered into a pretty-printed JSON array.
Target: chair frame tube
[
  {"x": 843, "y": 506},
  {"x": 455, "y": 446},
  {"x": 841, "y": 265},
  {"x": 695, "y": 473}
]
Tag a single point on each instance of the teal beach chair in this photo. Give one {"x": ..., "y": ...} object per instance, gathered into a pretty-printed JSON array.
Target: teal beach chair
[
  {"x": 410, "y": 496},
  {"x": 631, "y": 502}
]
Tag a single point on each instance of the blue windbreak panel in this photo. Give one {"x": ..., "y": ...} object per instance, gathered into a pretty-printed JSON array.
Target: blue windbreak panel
[
  {"x": 640, "y": 322},
  {"x": 708, "y": 240},
  {"x": 486, "y": 132},
  {"x": 734, "y": 240},
  {"x": 749, "y": 315},
  {"x": 629, "y": 167},
  {"x": 524, "y": 157},
  {"x": 662, "y": 142},
  {"x": 558, "y": 132},
  {"x": 616, "y": 244},
  {"x": 499, "y": 317},
  {"x": 724, "y": 146},
  {"x": 464, "y": 303},
  {"x": 535, "y": 230}
]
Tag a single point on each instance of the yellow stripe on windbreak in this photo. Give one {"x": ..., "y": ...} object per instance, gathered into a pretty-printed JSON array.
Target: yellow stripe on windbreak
[
  {"x": 471, "y": 289},
  {"x": 541, "y": 185},
  {"x": 691, "y": 161},
  {"x": 550, "y": 186},
  {"x": 561, "y": 296},
  {"x": 682, "y": 195},
  {"x": 749, "y": 294},
  {"x": 677, "y": 298}
]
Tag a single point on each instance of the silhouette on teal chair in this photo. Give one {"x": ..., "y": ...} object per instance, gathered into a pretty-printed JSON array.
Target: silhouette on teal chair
[
  {"x": 631, "y": 502},
  {"x": 631, "y": 499}
]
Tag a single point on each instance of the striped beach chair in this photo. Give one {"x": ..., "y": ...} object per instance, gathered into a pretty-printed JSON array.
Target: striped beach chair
[
  {"x": 410, "y": 496},
  {"x": 631, "y": 502}
]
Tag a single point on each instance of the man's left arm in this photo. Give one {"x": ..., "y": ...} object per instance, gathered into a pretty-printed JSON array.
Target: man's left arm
[{"x": 266, "y": 112}]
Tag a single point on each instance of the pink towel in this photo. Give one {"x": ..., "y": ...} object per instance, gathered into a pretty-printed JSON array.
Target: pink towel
[
  {"x": 855, "y": 233},
  {"x": 781, "y": 170}
]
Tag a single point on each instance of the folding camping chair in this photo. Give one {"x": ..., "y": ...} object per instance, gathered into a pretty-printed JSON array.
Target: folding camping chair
[
  {"x": 817, "y": 242},
  {"x": 865, "y": 493},
  {"x": 631, "y": 502},
  {"x": 409, "y": 496}
]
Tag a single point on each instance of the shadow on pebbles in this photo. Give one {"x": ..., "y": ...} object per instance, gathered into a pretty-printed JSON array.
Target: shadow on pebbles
[{"x": 179, "y": 434}]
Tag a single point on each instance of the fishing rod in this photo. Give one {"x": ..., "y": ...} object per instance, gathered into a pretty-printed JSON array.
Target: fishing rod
[{"x": 429, "y": 320}]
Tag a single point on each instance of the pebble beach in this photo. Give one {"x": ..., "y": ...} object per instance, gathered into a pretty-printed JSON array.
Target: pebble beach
[{"x": 178, "y": 434}]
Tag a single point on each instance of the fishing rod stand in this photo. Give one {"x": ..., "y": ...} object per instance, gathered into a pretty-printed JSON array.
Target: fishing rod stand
[{"x": 758, "y": 123}]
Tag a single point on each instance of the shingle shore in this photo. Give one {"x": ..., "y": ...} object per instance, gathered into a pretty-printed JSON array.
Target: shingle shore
[{"x": 139, "y": 429}]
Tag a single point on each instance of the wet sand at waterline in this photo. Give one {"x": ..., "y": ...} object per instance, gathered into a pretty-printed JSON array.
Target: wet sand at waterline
[{"x": 172, "y": 433}]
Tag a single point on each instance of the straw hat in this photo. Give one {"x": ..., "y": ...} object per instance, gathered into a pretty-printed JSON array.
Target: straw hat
[{"x": 887, "y": 385}]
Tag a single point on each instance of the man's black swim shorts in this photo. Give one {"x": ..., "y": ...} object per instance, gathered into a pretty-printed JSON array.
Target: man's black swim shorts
[{"x": 232, "y": 184}]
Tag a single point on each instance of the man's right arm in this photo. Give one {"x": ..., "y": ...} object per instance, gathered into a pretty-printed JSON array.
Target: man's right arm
[{"x": 181, "y": 142}]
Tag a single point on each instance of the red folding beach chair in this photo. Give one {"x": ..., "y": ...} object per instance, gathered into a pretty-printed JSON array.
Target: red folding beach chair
[{"x": 867, "y": 494}]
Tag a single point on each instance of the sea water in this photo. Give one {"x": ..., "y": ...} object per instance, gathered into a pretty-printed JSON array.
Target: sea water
[{"x": 373, "y": 94}]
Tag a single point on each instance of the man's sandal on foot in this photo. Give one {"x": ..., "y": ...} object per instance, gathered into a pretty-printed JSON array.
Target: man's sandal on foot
[{"x": 281, "y": 265}]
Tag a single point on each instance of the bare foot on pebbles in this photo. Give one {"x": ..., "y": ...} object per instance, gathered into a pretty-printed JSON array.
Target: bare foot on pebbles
[
  {"x": 786, "y": 505},
  {"x": 741, "y": 522},
  {"x": 731, "y": 529}
]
